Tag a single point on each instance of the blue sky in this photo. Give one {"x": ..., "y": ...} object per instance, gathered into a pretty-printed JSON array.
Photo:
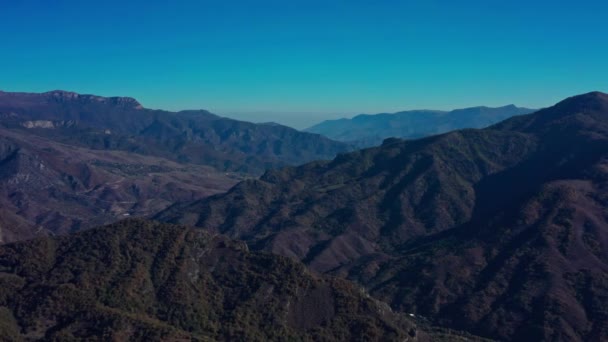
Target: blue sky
[{"x": 303, "y": 60}]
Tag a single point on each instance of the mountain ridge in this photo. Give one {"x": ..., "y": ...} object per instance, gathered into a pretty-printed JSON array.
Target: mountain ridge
[
  {"x": 72, "y": 161},
  {"x": 47, "y": 187},
  {"x": 500, "y": 231},
  {"x": 195, "y": 136},
  {"x": 366, "y": 130}
]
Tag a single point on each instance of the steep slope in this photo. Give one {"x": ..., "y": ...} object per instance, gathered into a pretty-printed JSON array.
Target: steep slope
[
  {"x": 51, "y": 188},
  {"x": 369, "y": 130},
  {"x": 370, "y": 200},
  {"x": 120, "y": 123},
  {"x": 502, "y": 232},
  {"x": 140, "y": 280}
]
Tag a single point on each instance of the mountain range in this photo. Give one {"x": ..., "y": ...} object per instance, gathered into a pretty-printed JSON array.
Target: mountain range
[
  {"x": 70, "y": 161},
  {"x": 370, "y": 130},
  {"x": 501, "y": 232},
  {"x": 193, "y": 136}
]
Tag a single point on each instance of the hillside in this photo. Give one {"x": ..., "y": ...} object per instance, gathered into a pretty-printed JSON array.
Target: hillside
[
  {"x": 194, "y": 136},
  {"x": 70, "y": 162},
  {"x": 501, "y": 232},
  {"x": 140, "y": 280},
  {"x": 49, "y": 188},
  {"x": 370, "y": 130}
]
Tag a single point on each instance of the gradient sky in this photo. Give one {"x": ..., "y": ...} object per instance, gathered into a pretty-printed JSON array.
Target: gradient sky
[{"x": 303, "y": 60}]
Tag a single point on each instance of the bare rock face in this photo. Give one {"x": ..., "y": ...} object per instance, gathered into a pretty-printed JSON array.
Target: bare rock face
[
  {"x": 70, "y": 97},
  {"x": 501, "y": 232},
  {"x": 39, "y": 124}
]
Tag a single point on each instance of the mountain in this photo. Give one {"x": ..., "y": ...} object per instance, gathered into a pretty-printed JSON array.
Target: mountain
[
  {"x": 47, "y": 187},
  {"x": 70, "y": 162},
  {"x": 501, "y": 232},
  {"x": 140, "y": 280},
  {"x": 370, "y": 130},
  {"x": 194, "y": 136}
]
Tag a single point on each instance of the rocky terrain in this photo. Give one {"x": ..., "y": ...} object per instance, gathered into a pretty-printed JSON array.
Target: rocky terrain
[{"x": 501, "y": 231}]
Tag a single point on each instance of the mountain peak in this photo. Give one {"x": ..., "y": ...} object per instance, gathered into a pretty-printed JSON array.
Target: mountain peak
[
  {"x": 580, "y": 112},
  {"x": 589, "y": 102},
  {"x": 598, "y": 94},
  {"x": 593, "y": 104}
]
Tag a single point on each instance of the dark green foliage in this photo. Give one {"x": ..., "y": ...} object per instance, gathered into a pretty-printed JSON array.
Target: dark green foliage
[{"x": 140, "y": 280}]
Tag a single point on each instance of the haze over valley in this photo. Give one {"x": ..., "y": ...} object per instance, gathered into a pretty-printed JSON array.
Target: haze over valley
[{"x": 202, "y": 171}]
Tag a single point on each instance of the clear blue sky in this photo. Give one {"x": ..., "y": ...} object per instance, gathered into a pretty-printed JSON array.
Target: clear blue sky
[{"x": 308, "y": 56}]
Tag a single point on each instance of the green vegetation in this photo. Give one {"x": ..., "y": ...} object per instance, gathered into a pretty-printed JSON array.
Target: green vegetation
[{"x": 141, "y": 280}]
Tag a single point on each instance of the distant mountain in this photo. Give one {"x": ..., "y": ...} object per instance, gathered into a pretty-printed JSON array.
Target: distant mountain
[
  {"x": 370, "y": 130},
  {"x": 195, "y": 136},
  {"x": 501, "y": 232},
  {"x": 139, "y": 280},
  {"x": 70, "y": 162}
]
